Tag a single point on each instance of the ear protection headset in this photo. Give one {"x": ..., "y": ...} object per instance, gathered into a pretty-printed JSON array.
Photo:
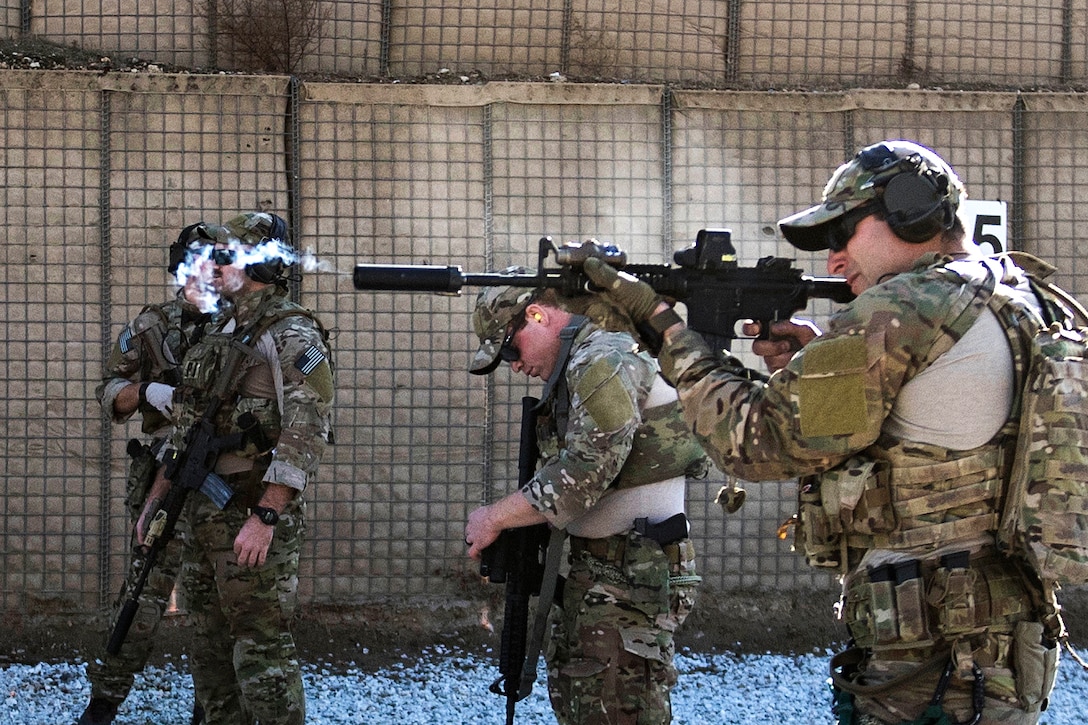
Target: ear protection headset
[
  {"x": 270, "y": 270},
  {"x": 917, "y": 197},
  {"x": 190, "y": 237}
]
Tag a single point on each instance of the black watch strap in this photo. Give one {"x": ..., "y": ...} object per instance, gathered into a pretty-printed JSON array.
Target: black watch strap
[
  {"x": 267, "y": 516},
  {"x": 652, "y": 330},
  {"x": 664, "y": 320}
]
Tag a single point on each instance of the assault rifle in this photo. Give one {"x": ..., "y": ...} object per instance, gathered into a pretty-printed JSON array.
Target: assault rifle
[
  {"x": 516, "y": 559},
  {"x": 717, "y": 293},
  {"x": 191, "y": 469}
]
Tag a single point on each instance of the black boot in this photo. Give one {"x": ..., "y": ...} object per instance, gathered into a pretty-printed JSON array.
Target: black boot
[
  {"x": 100, "y": 712},
  {"x": 198, "y": 715}
]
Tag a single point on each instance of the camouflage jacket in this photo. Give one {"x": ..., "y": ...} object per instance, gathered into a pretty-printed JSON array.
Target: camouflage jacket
[
  {"x": 149, "y": 350},
  {"x": 611, "y": 434},
  {"x": 285, "y": 381},
  {"x": 832, "y": 400}
]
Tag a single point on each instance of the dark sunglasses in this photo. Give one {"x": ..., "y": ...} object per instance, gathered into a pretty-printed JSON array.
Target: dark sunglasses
[
  {"x": 507, "y": 352},
  {"x": 842, "y": 230},
  {"x": 224, "y": 257}
]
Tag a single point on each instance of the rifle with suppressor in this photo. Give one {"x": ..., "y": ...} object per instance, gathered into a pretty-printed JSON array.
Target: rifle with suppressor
[
  {"x": 516, "y": 559},
  {"x": 717, "y": 293},
  {"x": 192, "y": 468}
]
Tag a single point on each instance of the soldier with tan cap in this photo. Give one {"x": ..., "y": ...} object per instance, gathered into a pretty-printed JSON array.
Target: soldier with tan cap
[
  {"x": 615, "y": 455},
  {"x": 897, "y": 420}
]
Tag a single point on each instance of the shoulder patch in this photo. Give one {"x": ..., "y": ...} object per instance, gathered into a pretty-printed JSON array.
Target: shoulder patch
[
  {"x": 308, "y": 361},
  {"x": 604, "y": 397},
  {"x": 124, "y": 340},
  {"x": 831, "y": 390}
]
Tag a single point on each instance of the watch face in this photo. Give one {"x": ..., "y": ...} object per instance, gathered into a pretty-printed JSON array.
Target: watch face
[{"x": 267, "y": 516}]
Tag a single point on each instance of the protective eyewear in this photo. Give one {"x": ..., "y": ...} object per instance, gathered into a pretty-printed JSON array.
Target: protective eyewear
[
  {"x": 842, "y": 230},
  {"x": 224, "y": 257},
  {"x": 507, "y": 351}
]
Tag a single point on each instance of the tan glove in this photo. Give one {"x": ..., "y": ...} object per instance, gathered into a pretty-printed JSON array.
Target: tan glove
[{"x": 637, "y": 298}]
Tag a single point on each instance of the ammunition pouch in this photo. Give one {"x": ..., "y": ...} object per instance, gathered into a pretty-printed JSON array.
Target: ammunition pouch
[
  {"x": 897, "y": 500},
  {"x": 911, "y": 603},
  {"x": 853, "y": 499}
]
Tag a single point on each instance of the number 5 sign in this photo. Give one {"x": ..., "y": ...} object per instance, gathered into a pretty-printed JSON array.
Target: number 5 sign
[{"x": 987, "y": 224}]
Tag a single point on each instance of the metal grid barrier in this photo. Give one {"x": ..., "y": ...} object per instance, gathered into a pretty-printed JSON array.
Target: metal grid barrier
[
  {"x": 708, "y": 43},
  {"x": 101, "y": 171}
]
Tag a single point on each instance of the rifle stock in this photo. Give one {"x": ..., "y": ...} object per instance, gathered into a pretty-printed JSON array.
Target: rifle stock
[
  {"x": 516, "y": 559},
  {"x": 706, "y": 278}
]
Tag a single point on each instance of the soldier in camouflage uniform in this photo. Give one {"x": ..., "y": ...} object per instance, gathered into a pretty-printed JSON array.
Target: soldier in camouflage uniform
[
  {"x": 901, "y": 461},
  {"x": 140, "y": 375},
  {"x": 614, "y": 449},
  {"x": 240, "y": 564}
]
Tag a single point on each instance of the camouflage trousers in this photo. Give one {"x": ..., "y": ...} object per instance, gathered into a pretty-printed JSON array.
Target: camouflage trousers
[
  {"x": 610, "y": 656},
  {"x": 244, "y": 663}
]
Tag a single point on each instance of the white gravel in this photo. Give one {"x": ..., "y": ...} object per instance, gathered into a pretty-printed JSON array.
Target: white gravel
[{"x": 450, "y": 686}]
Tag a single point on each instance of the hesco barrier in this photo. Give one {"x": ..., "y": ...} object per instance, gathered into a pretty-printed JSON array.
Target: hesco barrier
[{"x": 101, "y": 171}]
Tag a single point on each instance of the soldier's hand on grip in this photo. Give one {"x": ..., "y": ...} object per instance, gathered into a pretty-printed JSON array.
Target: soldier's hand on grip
[
  {"x": 636, "y": 298},
  {"x": 785, "y": 339}
]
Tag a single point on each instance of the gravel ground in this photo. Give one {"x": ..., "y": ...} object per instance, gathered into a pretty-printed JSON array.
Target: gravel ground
[{"x": 444, "y": 685}]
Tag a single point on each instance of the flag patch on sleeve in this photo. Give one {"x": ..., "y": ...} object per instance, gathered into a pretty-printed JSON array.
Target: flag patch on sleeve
[
  {"x": 308, "y": 361},
  {"x": 124, "y": 340}
]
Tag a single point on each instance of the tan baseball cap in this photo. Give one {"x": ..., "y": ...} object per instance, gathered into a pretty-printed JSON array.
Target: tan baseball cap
[
  {"x": 496, "y": 308},
  {"x": 862, "y": 180}
]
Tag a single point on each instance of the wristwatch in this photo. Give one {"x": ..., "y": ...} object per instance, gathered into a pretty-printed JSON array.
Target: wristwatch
[{"x": 267, "y": 516}]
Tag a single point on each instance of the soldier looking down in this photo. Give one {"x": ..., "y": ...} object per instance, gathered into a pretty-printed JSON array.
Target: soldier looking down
[{"x": 614, "y": 450}]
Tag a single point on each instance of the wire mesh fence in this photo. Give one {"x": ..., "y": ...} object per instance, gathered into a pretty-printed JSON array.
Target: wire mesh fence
[{"x": 100, "y": 172}]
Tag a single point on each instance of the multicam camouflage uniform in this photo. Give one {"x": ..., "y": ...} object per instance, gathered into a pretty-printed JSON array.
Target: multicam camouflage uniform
[
  {"x": 244, "y": 660},
  {"x": 148, "y": 350},
  {"x": 604, "y": 429},
  {"x": 910, "y": 525}
]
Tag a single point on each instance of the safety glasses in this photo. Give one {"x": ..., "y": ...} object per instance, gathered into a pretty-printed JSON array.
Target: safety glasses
[
  {"x": 224, "y": 257},
  {"x": 842, "y": 230},
  {"x": 507, "y": 352}
]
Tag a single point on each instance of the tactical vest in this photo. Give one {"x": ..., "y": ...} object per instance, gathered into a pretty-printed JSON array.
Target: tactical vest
[
  {"x": 218, "y": 351},
  {"x": 164, "y": 332},
  {"x": 905, "y": 495},
  {"x": 662, "y": 447}
]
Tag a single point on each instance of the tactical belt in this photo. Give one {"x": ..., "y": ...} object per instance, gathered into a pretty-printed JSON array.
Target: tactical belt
[{"x": 611, "y": 549}]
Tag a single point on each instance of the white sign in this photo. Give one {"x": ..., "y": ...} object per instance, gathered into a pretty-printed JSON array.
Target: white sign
[{"x": 987, "y": 224}]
